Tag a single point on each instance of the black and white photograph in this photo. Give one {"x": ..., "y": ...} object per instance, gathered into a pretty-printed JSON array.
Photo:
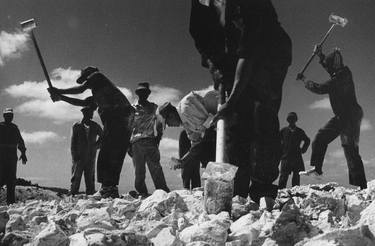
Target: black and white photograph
[{"x": 187, "y": 122}]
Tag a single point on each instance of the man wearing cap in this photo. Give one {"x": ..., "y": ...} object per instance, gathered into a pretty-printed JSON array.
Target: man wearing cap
[
  {"x": 194, "y": 113},
  {"x": 84, "y": 144},
  {"x": 116, "y": 114},
  {"x": 291, "y": 158},
  {"x": 10, "y": 141},
  {"x": 347, "y": 120},
  {"x": 145, "y": 139}
]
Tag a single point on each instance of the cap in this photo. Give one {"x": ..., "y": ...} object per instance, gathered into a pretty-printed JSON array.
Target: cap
[
  {"x": 86, "y": 72},
  {"x": 8, "y": 111},
  {"x": 143, "y": 86}
]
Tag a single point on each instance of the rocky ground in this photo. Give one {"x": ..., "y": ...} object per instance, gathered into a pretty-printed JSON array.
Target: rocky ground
[{"x": 323, "y": 215}]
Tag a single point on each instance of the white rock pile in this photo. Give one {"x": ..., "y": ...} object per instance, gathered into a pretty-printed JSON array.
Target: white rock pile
[{"x": 322, "y": 215}]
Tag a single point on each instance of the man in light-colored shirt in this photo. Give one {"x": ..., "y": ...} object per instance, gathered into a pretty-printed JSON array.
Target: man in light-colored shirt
[
  {"x": 194, "y": 113},
  {"x": 146, "y": 135}
]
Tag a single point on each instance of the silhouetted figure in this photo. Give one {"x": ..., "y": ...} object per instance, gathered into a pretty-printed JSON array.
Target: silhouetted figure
[
  {"x": 116, "y": 114},
  {"x": 194, "y": 113},
  {"x": 10, "y": 141},
  {"x": 84, "y": 145},
  {"x": 244, "y": 47},
  {"x": 347, "y": 120},
  {"x": 291, "y": 158},
  {"x": 145, "y": 139}
]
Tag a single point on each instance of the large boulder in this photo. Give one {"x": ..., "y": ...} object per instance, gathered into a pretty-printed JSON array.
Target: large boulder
[
  {"x": 51, "y": 235},
  {"x": 16, "y": 238},
  {"x": 78, "y": 239},
  {"x": 358, "y": 236},
  {"x": 95, "y": 218},
  {"x": 292, "y": 226},
  {"x": 166, "y": 238},
  {"x": 15, "y": 223},
  {"x": 164, "y": 203},
  {"x": 214, "y": 231}
]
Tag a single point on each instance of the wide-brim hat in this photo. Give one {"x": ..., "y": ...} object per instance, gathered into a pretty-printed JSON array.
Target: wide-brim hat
[
  {"x": 8, "y": 111},
  {"x": 144, "y": 86},
  {"x": 85, "y": 73}
]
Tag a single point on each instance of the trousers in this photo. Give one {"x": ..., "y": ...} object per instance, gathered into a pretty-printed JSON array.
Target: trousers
[
  {"x": 348, "y": 129},
  {"x": 8, "y": 170},
  {"x": 114, "y": 145},
  {"x": 254, "y": 143},
  {"x": 190, "y": 173},
  {"x": 88, "y": 170},
  {"x": 145, "y": 150}
]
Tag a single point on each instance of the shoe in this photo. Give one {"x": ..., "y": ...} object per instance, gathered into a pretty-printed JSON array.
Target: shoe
[{"x": 311, "y": 173}]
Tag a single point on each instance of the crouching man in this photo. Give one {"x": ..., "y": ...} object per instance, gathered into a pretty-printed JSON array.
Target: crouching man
[{"x": 194, "y": 113}]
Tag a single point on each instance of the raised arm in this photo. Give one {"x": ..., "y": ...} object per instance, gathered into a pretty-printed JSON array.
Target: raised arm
[
  {"x": 72, "y": 90},
  {"x": 76, "y": 101},
  {"x": 320, "y": 88}
]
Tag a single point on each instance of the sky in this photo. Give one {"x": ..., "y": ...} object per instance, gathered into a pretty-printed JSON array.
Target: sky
[{"x": 148, "y": 40}]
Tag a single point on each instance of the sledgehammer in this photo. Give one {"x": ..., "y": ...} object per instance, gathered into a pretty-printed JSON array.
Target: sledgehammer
[
  {"x": 219, "y": 175},
  {"x": 336, "y": 21},
  {"x": 28, "y": 26}
]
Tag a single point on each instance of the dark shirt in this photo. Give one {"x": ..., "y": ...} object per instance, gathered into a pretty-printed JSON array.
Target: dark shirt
[
  {"x": 341, "y": 91},
  {"x": 251, "y": 30},
  {"x": 84, "y": 141},
  {"x": 10, "y": 137},
  {"x": 111, "y": 102},
  {"x": 291, "y": 142}
]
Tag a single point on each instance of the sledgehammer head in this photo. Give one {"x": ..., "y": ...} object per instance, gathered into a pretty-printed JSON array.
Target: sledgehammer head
[
  {"x": 337, "y": 20},
  {"x": 28, "y": 25}
]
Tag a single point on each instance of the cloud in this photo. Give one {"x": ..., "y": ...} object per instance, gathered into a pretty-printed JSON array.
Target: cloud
[
  {"x": 321, "y": 104},
  {"x": 39, "y": 137},
  {"x": 168, "y": 147},
  {"x": 38, "y": 102},
  {"x": 366, "y": 125},
  {"x": 161, "y": 94},
  {"x": 12, "y": 45}
]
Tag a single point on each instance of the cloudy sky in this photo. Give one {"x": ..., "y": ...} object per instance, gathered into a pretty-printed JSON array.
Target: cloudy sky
[{"x": 148, "y": 40}]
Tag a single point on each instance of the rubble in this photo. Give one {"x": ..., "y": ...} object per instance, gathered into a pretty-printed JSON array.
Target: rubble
[{"x": 307, "y": 215}]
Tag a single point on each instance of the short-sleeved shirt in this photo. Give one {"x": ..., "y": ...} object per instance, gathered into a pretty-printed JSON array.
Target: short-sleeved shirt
[{"x": 110, "y": 100}]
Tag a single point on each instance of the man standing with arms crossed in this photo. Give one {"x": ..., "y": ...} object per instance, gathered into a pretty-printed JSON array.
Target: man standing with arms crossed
[
  {"x": 146, "y": 135},
  {"x": 10, "y": 141}
]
